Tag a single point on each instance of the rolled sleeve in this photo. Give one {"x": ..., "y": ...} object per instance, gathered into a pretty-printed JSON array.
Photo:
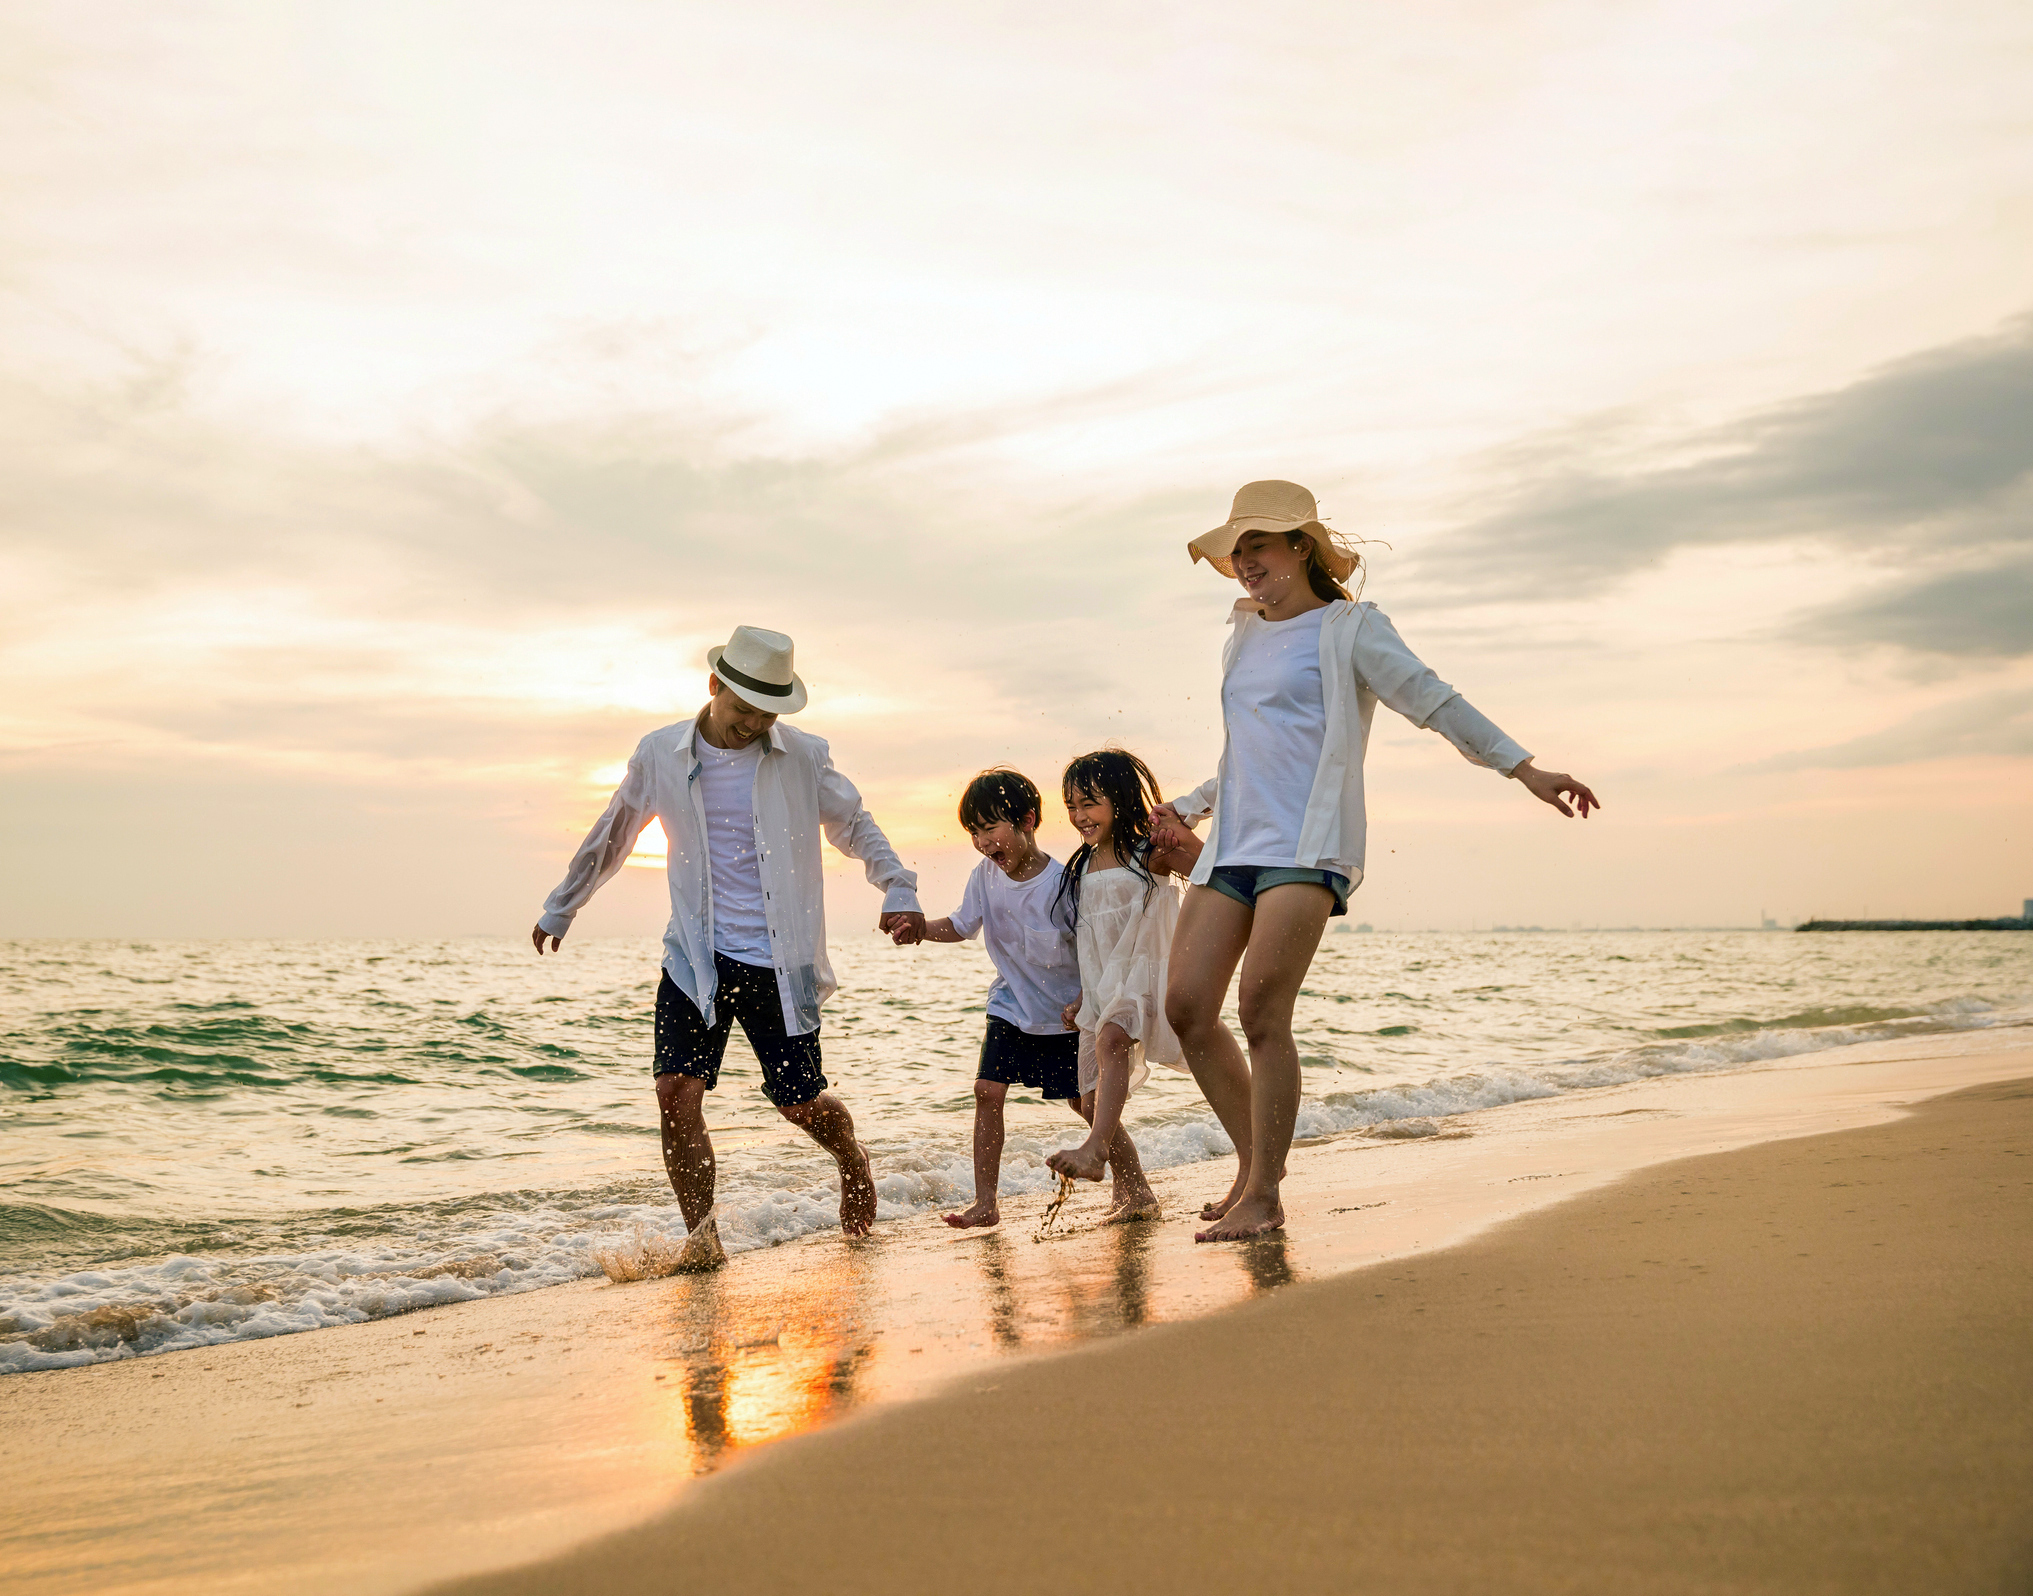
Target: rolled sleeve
[
  {"x": 1479, "y": 739},
  {"x": 852, "y": 829},
  {"x": 605, "y": 850},
  {"x": 1198, "y": 804}
]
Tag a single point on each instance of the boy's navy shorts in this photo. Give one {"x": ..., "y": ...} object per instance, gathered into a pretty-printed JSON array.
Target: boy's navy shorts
[
  {"x": 1048, "y": 1064},
  {"x": 685, "y": 1045}
]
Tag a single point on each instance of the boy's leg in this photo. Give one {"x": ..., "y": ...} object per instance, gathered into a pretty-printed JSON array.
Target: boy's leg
[
  {"x": 1207, "y": 945},
  {"x": 988, "y": 1137},
  {"x": 1289, "y": 920}
]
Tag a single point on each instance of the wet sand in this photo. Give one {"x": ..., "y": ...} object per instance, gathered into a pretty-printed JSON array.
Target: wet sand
[
  {"x": 485, "y": 1435},
  {"x": 1799, "y": 1367}
]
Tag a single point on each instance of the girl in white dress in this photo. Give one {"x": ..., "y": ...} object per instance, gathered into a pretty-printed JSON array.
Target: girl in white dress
[
  {"x": 1302, "y": 674},
  {"x": 1122, "y": 896}
]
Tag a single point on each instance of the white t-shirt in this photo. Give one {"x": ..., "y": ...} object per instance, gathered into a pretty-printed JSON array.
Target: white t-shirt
[
  {"x": 727, "y": 784},
  {"x": 1037, "y": 971},
  {"x": 1276, "y": 717}
]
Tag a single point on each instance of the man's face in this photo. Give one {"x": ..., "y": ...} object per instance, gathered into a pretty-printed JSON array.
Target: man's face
[{"x": 733, "y": 721}]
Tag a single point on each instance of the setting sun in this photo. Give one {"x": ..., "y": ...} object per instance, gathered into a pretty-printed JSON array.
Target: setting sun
[{"x": 652, "y": 848}]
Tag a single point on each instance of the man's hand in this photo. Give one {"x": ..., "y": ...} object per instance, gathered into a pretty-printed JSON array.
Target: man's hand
[
  {"x": 1548, "y": 786},
  {"x": 537, "y": 938},
  {"x": 903, "y": 928}
]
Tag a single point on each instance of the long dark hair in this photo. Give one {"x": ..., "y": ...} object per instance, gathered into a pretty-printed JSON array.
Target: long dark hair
[
  {"x": 1132, "y": 792},
  {"x": 1318, "y": 577}
]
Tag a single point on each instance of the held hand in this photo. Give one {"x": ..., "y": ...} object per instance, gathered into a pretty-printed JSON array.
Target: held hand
[
  {"x": 536, "y": 937},
  {"x": 1548, "y": 786},
  {"x": 1069, "y": 1016},
  {"x": 1164, "y": 816},
  {"x": 902, "y": 928}
]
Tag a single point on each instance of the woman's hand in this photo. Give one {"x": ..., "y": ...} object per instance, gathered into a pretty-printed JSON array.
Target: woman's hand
[{"x": 1549, "y": 786}]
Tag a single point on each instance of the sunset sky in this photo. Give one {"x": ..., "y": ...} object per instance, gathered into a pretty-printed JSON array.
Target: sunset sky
[{"x": 399, "y": 399}]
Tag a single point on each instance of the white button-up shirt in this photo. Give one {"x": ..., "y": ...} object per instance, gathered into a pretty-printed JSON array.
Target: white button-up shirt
[
  {"x": 798, "y": 794},
  {"x": 1362, "y": 661}
]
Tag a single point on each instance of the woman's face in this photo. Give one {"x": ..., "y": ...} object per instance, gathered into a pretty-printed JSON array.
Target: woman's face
[
  {"x": 1092, "y": 815},
  {"x": 1268, "y": 566}
]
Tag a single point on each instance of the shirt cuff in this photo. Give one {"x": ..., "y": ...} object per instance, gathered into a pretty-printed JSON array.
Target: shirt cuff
[
  {"x": 554, "y": 925},
  {"x": 901, "y": 900}
]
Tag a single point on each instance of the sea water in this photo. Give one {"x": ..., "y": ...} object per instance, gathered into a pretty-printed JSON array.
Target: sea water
[{"x": 205, "y": 1142}]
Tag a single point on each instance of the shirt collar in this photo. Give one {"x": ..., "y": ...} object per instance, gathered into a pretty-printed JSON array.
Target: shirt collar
[{"x": 688, "y": 739}]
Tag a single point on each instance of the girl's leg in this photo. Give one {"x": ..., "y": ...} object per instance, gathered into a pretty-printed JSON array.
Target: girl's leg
[
  {"x": 1289, "y": 920},
  {"x": 1208, "y": 943},
  {"x": 1088, "y": 1160},
  {"x": 1132, "y": 1197},
  {"x": 988, "y": 1135}
]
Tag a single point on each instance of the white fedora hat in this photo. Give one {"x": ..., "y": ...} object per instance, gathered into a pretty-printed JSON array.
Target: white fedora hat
[
  {"x": 756, "y": 666},
  {"x": 1272, "y": 507}
]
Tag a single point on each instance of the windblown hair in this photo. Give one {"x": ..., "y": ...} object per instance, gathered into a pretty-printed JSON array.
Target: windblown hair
[
  {"x": 1318, "y": 577},
  {"x": 1132, "y": 791},
  {"x": 997, "y": 795}
]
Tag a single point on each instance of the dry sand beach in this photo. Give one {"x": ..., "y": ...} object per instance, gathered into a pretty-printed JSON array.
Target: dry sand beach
[{"x": 1553, "y": 1346}]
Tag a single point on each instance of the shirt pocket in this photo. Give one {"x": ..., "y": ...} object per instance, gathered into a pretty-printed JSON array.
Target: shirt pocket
[{"x": 1049, "y": 950}]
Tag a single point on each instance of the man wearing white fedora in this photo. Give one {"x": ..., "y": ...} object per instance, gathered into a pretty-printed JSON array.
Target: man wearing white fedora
[{"x": 743, "y": 801}]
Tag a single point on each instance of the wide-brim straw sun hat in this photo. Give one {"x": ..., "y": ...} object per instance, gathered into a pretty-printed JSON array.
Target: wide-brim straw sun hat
[
  {"x": 755, "y": 666},
  {"x": 1273, "y": 507}
]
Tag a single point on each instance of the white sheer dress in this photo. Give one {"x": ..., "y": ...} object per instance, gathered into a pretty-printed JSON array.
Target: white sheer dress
[{"x": 1124, "y": 941}]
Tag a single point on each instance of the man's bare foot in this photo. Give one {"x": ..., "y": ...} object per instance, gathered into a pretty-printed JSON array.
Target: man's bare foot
[
  {"x": 977, "y": 1215},
  {"x": 702, "y": 1251},
  {"x": 857, "y": 1194},
  {"x": 1133, "y": 1209},
  {"x": 1085, "y": 1162},
  {"x": 1220, "y": 1206},
  {"x": 1246, "y": 1217}
]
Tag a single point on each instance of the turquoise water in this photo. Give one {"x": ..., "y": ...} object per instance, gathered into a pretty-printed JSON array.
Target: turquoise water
[{"x": 211, "y": 1141}]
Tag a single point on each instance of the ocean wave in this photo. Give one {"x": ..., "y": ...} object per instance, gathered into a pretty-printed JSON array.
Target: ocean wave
[{"x": 200, "y": 1285}]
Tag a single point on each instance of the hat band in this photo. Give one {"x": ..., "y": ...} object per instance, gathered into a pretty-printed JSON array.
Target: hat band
[{"x": 743, "y": 679}]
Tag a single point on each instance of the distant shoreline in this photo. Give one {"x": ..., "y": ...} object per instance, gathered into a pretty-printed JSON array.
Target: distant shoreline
[{"x": 2005, "y": 923}]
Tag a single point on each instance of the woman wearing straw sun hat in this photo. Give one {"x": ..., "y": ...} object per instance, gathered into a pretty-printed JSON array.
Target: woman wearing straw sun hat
[{"x": 1302, "y": 673}]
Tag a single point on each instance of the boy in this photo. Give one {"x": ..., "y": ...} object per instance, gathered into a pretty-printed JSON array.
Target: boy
[{"x": 1009, "y": 900}]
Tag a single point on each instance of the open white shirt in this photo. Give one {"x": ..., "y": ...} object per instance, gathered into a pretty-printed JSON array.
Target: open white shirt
[
  {"x": 727, "y": 790},
  {"x": 1037, "y": 971},
  {"x": 1363, "y": 662},
  {"x": 1276, "y": 716},
  {"x": 796, "y": 797}
]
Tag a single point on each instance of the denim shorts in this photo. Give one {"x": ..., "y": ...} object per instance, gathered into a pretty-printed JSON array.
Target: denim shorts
[{"x": 1244, "y": 882}]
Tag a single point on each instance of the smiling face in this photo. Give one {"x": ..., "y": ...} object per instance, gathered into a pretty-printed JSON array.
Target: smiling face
[
  {"x": 1093, "y": 816},
  {"x": 1269, "y": 567},
  {"x": 731, "y": 721},
  {"x": 1012, "y": 845}
]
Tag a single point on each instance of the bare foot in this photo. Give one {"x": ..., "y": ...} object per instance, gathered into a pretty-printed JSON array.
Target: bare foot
[
  {"x": 1246, "y": 1217},
  {"x": 1133, "y": 1210},
  {"x": 857, "y": 1194},
  {"x": 977, "y": 1215},
  {"x": 702, "y": 1251},
  {"x": 1220, "y": 1206},
  {"x": 1085, "y": 1162}
]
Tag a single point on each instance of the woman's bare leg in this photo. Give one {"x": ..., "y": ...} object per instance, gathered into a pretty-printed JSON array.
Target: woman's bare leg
[
  {"x": 1289, "y": 920},
  {"x": 1207, "y": 945}
]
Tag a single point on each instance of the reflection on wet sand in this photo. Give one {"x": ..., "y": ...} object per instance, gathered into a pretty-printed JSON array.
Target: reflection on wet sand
[{"x": 779, "y": 1343}]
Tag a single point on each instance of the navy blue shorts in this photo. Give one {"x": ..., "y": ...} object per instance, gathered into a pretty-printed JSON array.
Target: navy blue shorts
[
  {"x": 1050, "y": 1065},
  {"x": 686, "y": 1045}
]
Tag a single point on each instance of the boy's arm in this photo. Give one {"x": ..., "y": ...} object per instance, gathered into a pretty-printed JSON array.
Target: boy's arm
[{"x": 935, "y": 931}]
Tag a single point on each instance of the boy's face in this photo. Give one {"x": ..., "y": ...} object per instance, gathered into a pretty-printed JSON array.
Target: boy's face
[{"x": 1007, "y": 842}]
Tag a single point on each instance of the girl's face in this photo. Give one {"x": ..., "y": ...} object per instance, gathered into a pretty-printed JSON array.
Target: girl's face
[
  {"x": 1268, "y": 567},
  {"x": 1092, "y": 815}
]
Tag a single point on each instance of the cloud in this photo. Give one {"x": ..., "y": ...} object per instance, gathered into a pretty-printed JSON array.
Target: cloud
[
  {"x": 1997, "y": 723},
  {"x": 1985, "y": 612},
  {"x": 1928, "y": 460}
]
